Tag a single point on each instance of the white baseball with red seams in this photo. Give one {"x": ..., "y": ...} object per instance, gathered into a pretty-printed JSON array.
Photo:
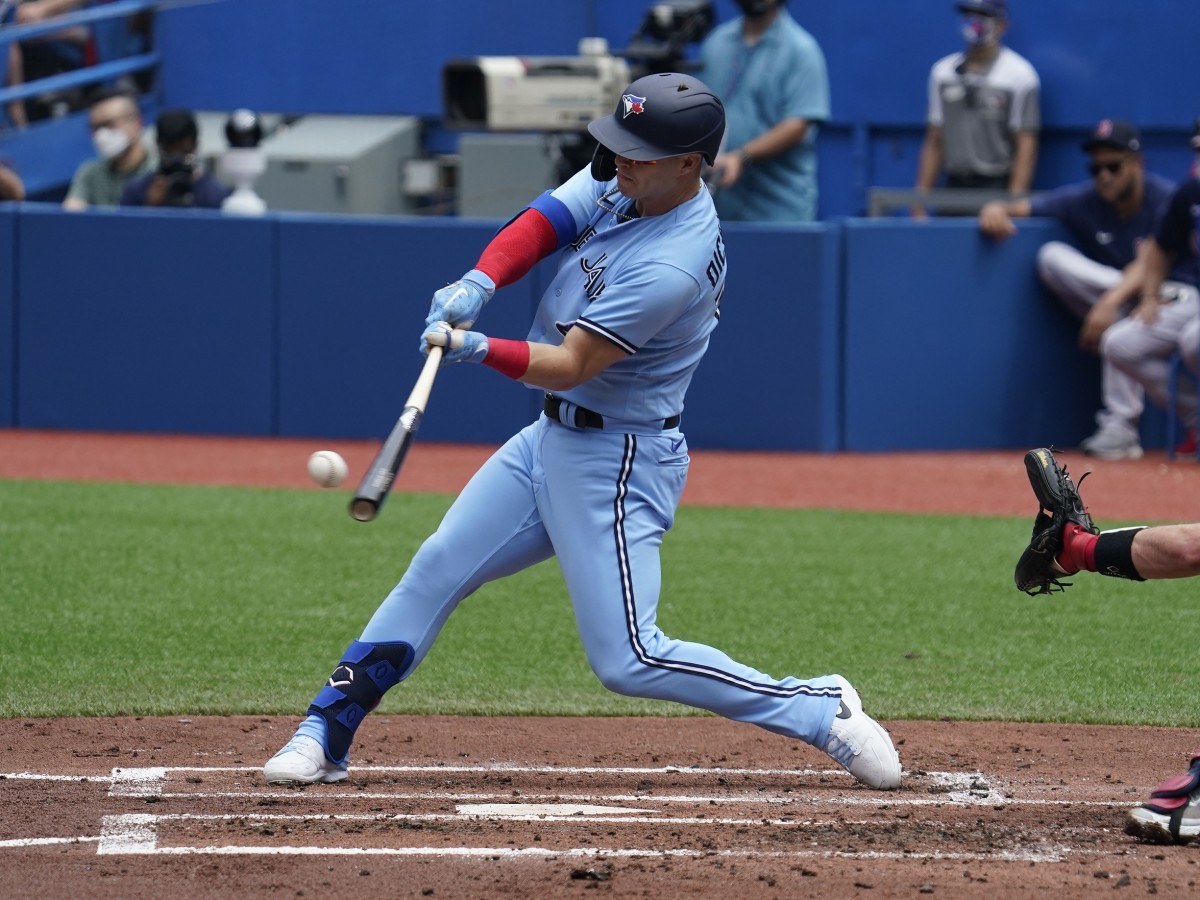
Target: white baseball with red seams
[{"x": 327, "y": 468}]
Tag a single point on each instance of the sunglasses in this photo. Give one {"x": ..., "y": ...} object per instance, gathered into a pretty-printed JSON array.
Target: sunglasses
[
  {"x": 638, "y": 162},
  {"x": 1112, "y": 168}
]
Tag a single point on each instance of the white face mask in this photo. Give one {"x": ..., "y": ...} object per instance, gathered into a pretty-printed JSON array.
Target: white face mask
[{"x": 110, "y": 142}]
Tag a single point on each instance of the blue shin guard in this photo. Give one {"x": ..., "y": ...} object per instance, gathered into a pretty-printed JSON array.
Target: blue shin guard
[{"x": 355, "y": 688}]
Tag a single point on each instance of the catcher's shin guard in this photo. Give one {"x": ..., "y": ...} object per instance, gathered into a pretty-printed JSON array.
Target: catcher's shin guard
[{"x": 355, "y": 688}]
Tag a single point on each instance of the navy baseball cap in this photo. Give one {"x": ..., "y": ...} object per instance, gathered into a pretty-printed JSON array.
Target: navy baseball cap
[
  {"x": 997, "y": 9},
  {"x": 1114, "y": 134}
]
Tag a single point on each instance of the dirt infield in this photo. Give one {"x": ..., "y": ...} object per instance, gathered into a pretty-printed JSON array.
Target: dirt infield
[{"x": 533, "y": 808}]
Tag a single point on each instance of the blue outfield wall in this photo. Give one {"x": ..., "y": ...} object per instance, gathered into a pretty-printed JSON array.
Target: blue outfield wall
[
  {"x": 771, "y": 377},
  {"x": 862, "y": 335},
  {"x": 952, "y": 343},
  {"x": 353, "y": 294},
  {"x": 146, "y": 322}
]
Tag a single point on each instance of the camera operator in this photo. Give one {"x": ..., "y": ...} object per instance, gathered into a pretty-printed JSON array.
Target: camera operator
[{"x": 180, "y": 180}]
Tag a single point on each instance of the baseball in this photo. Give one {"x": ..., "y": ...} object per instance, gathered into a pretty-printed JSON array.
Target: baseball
[{"x": 327, "y": 468}]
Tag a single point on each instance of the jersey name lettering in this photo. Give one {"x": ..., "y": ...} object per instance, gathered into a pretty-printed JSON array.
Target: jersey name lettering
[
  {"x": 716, "y": 265},
  {"x": 584, "y": 236},
  {"x": 593, "y": 287}
]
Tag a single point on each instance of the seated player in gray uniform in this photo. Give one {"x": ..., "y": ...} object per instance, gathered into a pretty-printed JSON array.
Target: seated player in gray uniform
[{"x": 595, "y": 480}]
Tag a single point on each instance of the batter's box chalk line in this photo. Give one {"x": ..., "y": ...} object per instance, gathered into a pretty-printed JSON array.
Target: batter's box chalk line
[{"x": 137, "y": 834}]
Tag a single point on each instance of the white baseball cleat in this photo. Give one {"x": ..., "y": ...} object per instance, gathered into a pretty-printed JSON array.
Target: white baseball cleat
[
  {"x": 302, "y": 760},
  {"x": 861, "y": 745}
]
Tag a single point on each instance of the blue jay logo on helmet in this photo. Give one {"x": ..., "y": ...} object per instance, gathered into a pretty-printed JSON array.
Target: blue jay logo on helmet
[{"x": 634, "y": 105}]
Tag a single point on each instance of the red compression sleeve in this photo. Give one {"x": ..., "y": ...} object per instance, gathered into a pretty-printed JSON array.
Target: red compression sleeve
[
  {"x": 509, "y": 358},
  {"x": 1079, "y": 549},
  {"x": 528, "y": 239}
]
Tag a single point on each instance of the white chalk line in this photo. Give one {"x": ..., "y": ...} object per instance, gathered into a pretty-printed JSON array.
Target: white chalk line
[
  {"x": 47, "y": 842},
  {"x": 137, "y": 833}
]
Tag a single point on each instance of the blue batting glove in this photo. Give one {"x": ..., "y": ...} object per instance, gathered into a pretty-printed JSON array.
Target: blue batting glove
[
  {"x": 461, "y": 303},
  {"x": 461, "y": 346}
]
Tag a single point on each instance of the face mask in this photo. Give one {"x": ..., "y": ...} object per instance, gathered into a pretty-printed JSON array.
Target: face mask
[
  {"x": 110, "y": 143},
  {"x": 978, "y": 30}
]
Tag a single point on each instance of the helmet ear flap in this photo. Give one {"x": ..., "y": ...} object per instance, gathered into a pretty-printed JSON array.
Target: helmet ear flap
[{"x": 604, "y": 164}]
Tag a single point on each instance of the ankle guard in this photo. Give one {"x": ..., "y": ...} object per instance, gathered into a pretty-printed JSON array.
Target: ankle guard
[
  {"x": 355, "y": 688},
  {"x": 1171, "y": 798}
]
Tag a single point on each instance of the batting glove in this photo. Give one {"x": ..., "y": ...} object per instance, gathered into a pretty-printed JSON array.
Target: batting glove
[
  {"x": 461, "y": 346},
  {"x": 461, "y": 303}
]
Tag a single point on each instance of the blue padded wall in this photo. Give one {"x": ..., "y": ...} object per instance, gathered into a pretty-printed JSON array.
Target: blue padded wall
[
  {"x": 862, "y": 335},
  {"x": 770, "y": 379},
  {"x": 951, "y": 343},
  {"x": 354, "y": 294},
  {"x": 145, "y": 321}
]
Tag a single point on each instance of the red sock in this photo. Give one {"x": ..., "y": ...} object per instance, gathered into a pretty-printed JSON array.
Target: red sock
[{"x": 1079, "y": 550}]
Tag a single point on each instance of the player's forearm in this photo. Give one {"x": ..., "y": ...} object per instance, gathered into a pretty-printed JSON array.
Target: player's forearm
[
  {"x": 1024, "y": 161},
  {"x": 930, "y": 162},
  {"x": 11, "y": 187},
  {"x": 1154, "y": 265},
  {"x": 578, "y": 359},
  {"x": 778, "y": 139}
]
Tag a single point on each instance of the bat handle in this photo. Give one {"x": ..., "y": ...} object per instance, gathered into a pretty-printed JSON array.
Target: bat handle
[{"x": 419, "y": 396}]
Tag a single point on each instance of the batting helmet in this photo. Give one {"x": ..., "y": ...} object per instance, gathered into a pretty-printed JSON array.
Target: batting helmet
[{"x": 659, "y": 115}]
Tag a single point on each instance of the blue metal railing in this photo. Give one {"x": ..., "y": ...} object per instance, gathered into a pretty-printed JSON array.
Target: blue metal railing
[{"x": 102, "y": 71}]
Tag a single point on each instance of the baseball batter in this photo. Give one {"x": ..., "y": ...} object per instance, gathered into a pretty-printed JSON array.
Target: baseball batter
[{"x": 596, "y": 479}]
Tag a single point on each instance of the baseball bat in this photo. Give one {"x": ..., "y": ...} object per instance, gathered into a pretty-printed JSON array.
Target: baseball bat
[{"x": 377, "y": 480}]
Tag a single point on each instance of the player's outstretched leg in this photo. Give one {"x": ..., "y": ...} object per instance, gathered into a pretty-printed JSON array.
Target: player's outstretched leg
[
  {"x": 1172, "y": 815},
  {"x": 319, "y": 752},
  {"x": 861, "y": 745}
]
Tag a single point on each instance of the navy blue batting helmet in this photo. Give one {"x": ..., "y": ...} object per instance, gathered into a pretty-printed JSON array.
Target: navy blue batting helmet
[{"x": 660, "y": 115}]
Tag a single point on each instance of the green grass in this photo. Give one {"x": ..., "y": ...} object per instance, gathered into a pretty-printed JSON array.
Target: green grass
[{"x": 153, "y": 600}]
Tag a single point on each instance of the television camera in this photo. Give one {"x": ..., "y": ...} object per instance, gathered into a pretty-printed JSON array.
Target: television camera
[{"x": 563, "y": 94}]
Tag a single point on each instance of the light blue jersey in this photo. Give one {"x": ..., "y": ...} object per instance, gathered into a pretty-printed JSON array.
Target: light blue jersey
[
  {"x": 652, "y": 286},
  {"x": 782, "y": 76}
]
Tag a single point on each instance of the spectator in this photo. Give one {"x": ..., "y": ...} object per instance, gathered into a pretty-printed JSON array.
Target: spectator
[
  {"x": 14, "y": 70},
  {"x": 1167, "y": 316},
  {"x": 1108, "y": 218},
  {"x": 180, "y": 179},
  {"x": 770, "y": 74},
  {"x": 11, "y": 186},
  {"x": 984, "y": 110},
  {"x": 116, "y": 125}
]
